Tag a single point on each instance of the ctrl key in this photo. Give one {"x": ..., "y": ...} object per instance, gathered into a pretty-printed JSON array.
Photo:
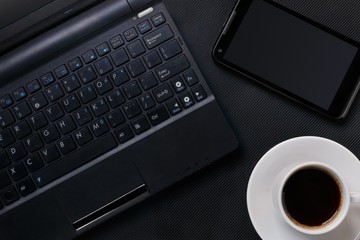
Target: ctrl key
[{"x": 9, "y": 195}]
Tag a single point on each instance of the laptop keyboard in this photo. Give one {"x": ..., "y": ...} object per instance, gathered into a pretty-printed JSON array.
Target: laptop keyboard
[{"x": 91, "y": 104}]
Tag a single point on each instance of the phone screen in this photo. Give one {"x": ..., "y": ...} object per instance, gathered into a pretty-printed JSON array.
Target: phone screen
[{"x": 290, "y": 54}]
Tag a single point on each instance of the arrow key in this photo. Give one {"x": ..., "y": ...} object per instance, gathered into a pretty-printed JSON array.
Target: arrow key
[
  {"x": 174, "y": 106},
  {"x": 199, "y": 93}
]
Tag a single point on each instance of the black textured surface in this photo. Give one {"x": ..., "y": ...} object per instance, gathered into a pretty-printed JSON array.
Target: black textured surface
[{"x": 212, "y": 203}]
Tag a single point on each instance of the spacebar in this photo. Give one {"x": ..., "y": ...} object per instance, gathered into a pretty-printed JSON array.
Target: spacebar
[{"x": 75, "y": 160}]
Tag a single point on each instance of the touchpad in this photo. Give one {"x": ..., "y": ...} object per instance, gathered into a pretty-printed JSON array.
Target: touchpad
[{"x": 89, "y": 192}]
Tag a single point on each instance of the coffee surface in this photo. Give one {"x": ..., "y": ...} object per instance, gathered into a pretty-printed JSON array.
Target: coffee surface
[{"x": 312, "y": 197}]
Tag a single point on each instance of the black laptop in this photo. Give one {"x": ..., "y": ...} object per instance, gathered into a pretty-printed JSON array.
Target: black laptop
[{"x": 101, "y": 106}]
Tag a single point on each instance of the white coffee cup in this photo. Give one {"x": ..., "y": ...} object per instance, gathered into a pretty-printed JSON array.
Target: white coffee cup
[{"x": 346, "y": 198}]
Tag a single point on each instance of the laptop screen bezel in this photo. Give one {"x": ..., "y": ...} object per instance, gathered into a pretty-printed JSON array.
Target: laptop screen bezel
[{"x": 39, "y": 20}]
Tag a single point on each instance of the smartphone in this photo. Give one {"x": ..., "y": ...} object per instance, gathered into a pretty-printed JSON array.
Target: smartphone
[{"x": 292, "y": 55}]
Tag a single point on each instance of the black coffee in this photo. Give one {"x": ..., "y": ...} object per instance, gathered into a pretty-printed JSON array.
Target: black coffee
[{"x": 312, "y": 197}]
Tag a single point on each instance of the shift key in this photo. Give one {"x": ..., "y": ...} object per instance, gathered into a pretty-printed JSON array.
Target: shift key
[{"x": 172, "y": 68}]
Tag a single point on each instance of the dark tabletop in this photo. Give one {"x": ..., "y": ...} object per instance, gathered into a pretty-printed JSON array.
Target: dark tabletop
[{"x": 212, "y": 203}]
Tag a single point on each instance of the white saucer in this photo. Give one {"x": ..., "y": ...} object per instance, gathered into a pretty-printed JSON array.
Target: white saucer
[{"x": 267, "y": 222}]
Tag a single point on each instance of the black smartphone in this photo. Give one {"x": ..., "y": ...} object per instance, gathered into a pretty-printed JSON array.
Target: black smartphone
[{"x": 292, "y": 55}]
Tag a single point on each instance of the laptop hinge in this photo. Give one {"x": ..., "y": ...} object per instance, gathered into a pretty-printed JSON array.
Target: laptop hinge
[
  {"x": 137, "y": 4},
  {"x": 62, "y": 36}
]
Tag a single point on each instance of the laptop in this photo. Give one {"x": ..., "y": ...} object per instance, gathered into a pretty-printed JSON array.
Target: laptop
[{"x": 101, "y": 106}]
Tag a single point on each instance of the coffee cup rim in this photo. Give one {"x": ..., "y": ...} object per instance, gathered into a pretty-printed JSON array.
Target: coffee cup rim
[{"x": 345, "y": 198}]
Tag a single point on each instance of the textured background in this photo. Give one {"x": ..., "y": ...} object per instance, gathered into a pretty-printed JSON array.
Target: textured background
[{"x": 212, "y": 203}]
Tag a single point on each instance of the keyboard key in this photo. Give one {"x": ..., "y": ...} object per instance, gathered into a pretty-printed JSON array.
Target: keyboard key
[
  {"x": 71, "y": 103},
  {"x": 6, "y": 138},
  {"x": 34, "y": 163},
  {"x": 25, "y": 187},
  {"x": 103, "y": 49},
  {"x": 83, "y": 116},
  {"x": 75, "y": 160},
  {"x": 147, "y": 101},
  {"x": 38, "y": 121},
  {"x": 17, "y": 152},
  {"x": 87, "y": 94},
  {"x": 83, "y": 136},
  {"x": 144, "y": 27},
  {"x": 140, "y": 125},
  {"x": 191, "y": 78},
  {"x": 132, "y": 110},
  {"x": 172, "y": 68},
  {"x": 158, "y": 37},
  {"x": 116, "y": 118},
  {"x": 116, "y": 41},
  {"x": 199, "y": 93},
  {"x": 50, "y": 153},
  {"x": 38, "y": 101},
  {"x": 6, "y": 119},
  {"x": 50, "y": 134},
  {"x": 71, "y": 83},
  {"x": 4, "y": 161},
  {"x": 33, "y": 143},
  {"x": 178, "y": 84},
  {"x": 148, "y": 81},
  {"x": 152, "y": 59},
  {"x": 9, "y": 195},
  {"x": 75, "y": 64},
  {"x": 67, "y": 145},
  {"x": 22, "y": 110},
  {"x": 19, "y": 94},
  {"x": 99, "y": 127},
  {"x": 116, "y": 99},
  {"x": 158, "y": 19},
  {"x": 4, "y": 180},
  {"x": 136, "y": 48},
  {"x": 47, "y": 79},
  {"x": 163, "y": 93},
  {"x": 54, "y": 112},
  {"x": 17, "y": 171},
  {"x": 21, "y": 130},
  {"x": 103, "y": 66},
  {"x": 103, "y": 86},
  {"x": 54, "y": 92},
  {"x": 67, "y": 125},
  {"x": 99, "y": 107},
  {"x": 89, "y": 56},
  {"x": 124, "y": 134},
  {"x": 170, "y": 49},
  {"x": 61, "y": 71},
  {"x": 120, "y": 77},
  {"x": 186, "y": 100},
  {"x": 33, "y": 86},
  {"x": 130, "y": 34},
  {"x": 136, "y": 68},
  {"x": 6, "y": 101},
  {"x": 158, "y": 115},
  {"x": 132, "y": 90},
  {"x": 120, "y": 57},
  {"x": 87, "y": 74}
]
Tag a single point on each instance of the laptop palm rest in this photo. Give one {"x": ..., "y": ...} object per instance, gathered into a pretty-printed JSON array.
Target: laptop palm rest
[{"x": 129, "y": 176}]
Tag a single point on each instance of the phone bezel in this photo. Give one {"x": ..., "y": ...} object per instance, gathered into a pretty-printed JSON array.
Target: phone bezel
[{"x": 347, "y": 90}]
